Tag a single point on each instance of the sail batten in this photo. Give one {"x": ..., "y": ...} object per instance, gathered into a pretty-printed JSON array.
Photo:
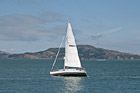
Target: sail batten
[{"x": 71, "y": 53}]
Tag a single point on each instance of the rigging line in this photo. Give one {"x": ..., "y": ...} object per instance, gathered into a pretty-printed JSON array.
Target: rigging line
[{"x": 58, "y": 52}]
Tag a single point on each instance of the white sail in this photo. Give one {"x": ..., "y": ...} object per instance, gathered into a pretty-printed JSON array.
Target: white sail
[{"x": 71, "y": 53}]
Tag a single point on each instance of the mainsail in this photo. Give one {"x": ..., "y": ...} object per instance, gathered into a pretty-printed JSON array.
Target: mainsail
[{"x": 71, "y": 53}]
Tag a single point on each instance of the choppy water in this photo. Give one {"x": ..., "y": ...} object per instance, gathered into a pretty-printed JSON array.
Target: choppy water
[{"x": 32, "y": 76}]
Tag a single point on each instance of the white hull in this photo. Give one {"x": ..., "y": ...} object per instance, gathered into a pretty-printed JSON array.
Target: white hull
[{"x": 68, "y": 72}]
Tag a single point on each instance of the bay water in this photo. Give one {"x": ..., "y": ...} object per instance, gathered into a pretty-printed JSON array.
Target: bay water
[{"x": 32, "y": 76}]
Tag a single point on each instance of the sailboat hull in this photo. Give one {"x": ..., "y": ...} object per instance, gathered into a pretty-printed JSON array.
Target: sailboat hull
[{"x": 69, "y": 72}]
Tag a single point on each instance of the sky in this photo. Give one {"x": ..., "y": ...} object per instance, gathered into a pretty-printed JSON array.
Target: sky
[{"x": 36, "y": 25}]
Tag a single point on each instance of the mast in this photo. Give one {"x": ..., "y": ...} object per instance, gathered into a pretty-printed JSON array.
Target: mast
[{"x": 64, "y": 64}]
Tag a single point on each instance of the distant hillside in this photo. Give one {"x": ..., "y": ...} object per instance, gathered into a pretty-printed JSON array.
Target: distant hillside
[
  {"x": 85, "y": 52},
  {"x": 3, "y": 54}
]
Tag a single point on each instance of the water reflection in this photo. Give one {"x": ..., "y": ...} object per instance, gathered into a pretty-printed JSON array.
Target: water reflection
[{"x": 72, "y": 84}]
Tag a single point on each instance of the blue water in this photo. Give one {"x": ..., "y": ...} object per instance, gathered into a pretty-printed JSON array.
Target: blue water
[{"x": 32, "y": 76}]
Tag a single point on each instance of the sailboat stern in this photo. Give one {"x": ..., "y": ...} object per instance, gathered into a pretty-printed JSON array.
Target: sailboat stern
[{"x": 69, "y": 72}]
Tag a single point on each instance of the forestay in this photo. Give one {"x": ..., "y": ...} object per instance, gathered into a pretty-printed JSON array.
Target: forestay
[{"x": 71, "y": 53}]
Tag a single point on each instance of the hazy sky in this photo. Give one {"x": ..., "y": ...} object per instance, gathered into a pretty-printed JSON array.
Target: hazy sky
[{"x": 35, "y": 25}]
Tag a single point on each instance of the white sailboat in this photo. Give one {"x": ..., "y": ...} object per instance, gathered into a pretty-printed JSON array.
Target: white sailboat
[{"x": 72, "y": 64}]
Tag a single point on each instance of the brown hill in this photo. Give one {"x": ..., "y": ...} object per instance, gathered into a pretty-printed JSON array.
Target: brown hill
[{"x": 85, "y": 52}]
